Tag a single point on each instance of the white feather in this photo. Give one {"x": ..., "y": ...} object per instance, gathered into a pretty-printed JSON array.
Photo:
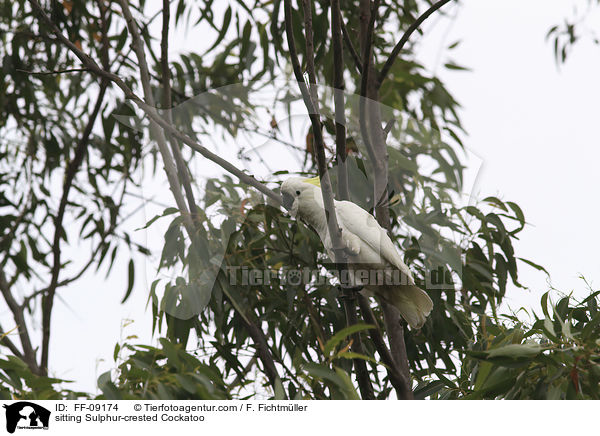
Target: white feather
[{"x": 368, "y": 247}]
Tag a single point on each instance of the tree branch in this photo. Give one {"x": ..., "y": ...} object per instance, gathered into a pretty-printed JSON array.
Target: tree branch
[
  {"x": 364, "y": 83},
  {"x": 153, "y": 114},
  {"x": 342, "y": 172},
  {"x": 350, "y": 46},
  {"x": 311, "y": 102},
  {"x": 28, "y": 355},
  {"x": 70, "y": 173},
  {"x": 339, "y": 100},
  {"x": 157, "y": 134},
  {"x": 182, "y": 169},
  {"x": 397, "y": 379},
  {"x": 5, "y": 340},
  {"x": 255, "y": 332},
  {"x": 48, "y": 73},
  {"x": 372, "y": 133},
  {"x": 400, "y": 45},
  {"x": 151, "y": 111}
]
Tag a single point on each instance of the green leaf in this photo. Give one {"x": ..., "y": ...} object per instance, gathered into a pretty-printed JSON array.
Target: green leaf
[
  {"x": 516, "y": 351},
  {"x": 223, "y": 29},
  {"x": 338, "y": 379},
  {"x": 348, "y": 387},
  {"x": 544, "y": 304},
  {"x": 482, "y": 374},
  {"x": 187, "y": 383},
  {"x": 130, "y": 281},
  {"x": 116, "y": 351},
  {"x": 352, "y": 355},
  {"x": 339, "y": 336},
  {"x": 453, "y": 66},
  {"x": 534, "y": 265},
  {"x": 428, "y": 390},
  {"x": 167, "y": 211},
  {"x": 495, "y": 201},
  {"x": 519, "y": 214},
  {"x": 279, "y": 391}
]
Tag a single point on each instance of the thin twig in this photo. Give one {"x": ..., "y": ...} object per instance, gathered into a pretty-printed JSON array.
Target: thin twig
[
  {"x": 70, "y": 173},
  {"x": 364, "y": 83},
  {"x": 157, "y": 133},
  {"x": 151, "y": 111},
  {"x": 370, "y": 124},
  {"x": 310, "y": 100},
  {"x": 350, "y": 46},
  {"x": 48, "y": 73},
  {"x": 396, "y": 378},
  {"x": 389, "y": 126},
  {"x": 400, "y": 45},
  {"x": 255, "y": 332},
  {"x": 5, "y": 340},
  {"x": 362, "y": 373},
  {"x": 182, "y": 169},
  {"x": 339, "y": 100},
  {"x": 28, "y": 355}
]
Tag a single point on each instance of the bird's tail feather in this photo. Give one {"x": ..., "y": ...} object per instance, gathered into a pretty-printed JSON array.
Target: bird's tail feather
[{"x": 413, "y": 303}]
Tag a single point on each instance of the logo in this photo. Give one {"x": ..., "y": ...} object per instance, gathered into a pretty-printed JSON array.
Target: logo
[{"x": 26, "y": 415}]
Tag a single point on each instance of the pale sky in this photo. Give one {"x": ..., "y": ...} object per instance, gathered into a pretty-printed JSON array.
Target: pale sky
[{"x": 533, "y": 126}]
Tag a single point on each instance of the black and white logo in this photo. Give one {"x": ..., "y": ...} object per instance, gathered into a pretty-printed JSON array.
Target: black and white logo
[{"x": 26, "y": 415}]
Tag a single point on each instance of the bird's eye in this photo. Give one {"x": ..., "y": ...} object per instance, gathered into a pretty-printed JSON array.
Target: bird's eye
[{"x": 297, "y": 192}]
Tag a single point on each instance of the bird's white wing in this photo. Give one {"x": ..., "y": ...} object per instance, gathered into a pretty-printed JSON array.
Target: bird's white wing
[{"x": 354, "y": 219}]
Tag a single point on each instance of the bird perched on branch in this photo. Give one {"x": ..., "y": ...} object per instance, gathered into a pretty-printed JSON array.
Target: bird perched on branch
[{"x": 373, "y": 261}]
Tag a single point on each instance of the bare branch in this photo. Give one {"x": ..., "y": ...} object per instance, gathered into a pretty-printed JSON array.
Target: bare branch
[
  {"x": 367, "y": 66},
  {"x": 338, "y": 97},
  {"x": 70, "y": 173},
  {"x": 389, "y": 126},
  {"x": 350, "y": 46},
  {"x": 28, "y": 354},
  {"x": 13, "y": 229},
  {"x": 48, "y": 73},
  {"x": 157, "y": 134},
  {"x": 182, "y": 169},
  {"x": 151, "y": 111},
  {"x": 396, "y": 378},
  {"x": 255, "y": 332},
  {"x": 310, "y": 56},
  {"x": 373, "y": 136},
  {"x": 400, "y": 45},
  {"x": 5, "y": 340},
  {"x": 311, "y": 102}
]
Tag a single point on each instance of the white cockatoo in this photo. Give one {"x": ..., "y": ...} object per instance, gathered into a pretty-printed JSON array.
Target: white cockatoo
[{"x": 373, "y": 261}]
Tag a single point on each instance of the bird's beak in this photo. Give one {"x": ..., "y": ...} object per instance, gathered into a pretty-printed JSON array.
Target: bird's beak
[{"x": 288, "y": 200}]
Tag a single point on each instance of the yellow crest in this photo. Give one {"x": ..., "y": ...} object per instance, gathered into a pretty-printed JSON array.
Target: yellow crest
[{"x": 314, "y": 181}]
